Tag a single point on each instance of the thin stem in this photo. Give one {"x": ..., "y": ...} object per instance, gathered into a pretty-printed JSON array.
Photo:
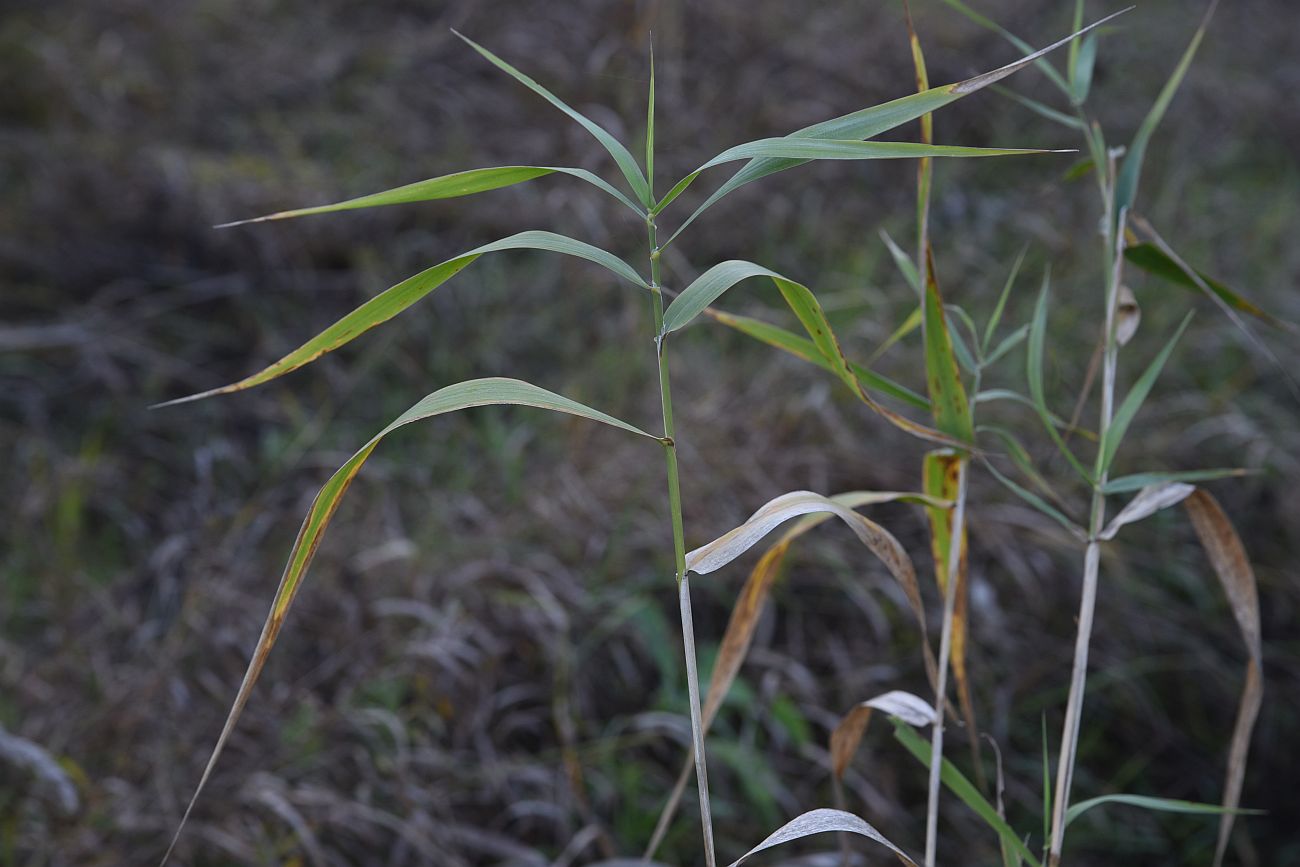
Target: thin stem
[
  {"x": 945, "y": 650},
  {"x": 679, "y": 550},
  {"x": 1092, "y": 554}
]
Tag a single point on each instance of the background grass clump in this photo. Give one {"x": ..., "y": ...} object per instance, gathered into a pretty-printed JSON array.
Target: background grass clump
[{"x": 486, "y": 669}]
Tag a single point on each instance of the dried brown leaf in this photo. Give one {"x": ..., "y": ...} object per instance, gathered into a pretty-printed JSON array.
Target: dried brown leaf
[{"x": 1227, "y": 556}]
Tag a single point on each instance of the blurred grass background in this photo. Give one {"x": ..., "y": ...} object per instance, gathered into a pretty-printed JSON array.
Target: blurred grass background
[{"x": 485, "y": 666}]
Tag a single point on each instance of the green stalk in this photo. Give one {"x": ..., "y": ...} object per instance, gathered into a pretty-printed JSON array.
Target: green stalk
[
  {"x": 679, "y": 548},
  {"x": 1092, "y": 555}
]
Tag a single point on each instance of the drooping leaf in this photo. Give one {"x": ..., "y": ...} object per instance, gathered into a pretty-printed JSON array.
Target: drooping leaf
[
  {"x": 1153, "y": 260},
  {"x": 1124, "y": 484},
  {"x": 1130, "y": 170},
  {"x": 452, "y": 186},
  {"x": 948, "y": 403},
  {"x": 462, "y": 395},
  {"x": 805, "y": 349},
  {"x": 820, "y": 822},
  {"x": 744, "y": 620},
  {"x": 1164, "y": 805},
  {"x": 710, "y": 285},
  {"x": 616, "y": 149},
  {"x": 395, "y": 299},
  {"x": 846, "y": 737},
  {"x": 957, "y": 783},
  {"x": 1133, "y": 401},
  {"x": 1149, "y": 500},
  {"x": 878, "y": 540},
  {"x": 871, "y": 122},
  {"x": 1227, "y": 556}
]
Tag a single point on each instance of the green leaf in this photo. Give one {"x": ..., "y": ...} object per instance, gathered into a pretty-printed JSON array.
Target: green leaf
[
  {"x": 462, "y": 395},
  {"x": 963, "y": 788},
  {"x": 1164, "y": 805},
  {"x": 906, "y": 327},
  {"x": 1081, "y": 77},
  {"x": 948, "y": 403},
  {"x": 1053, "y": 75},
  {"x": 805, "y": 150},
  {"x": 1042, "y": 110},
  {"x": 906, "y": 267},
  {"x": 1133, "y": 400},
  {"x": 650, "y": 131},
  {"x": 1153, "y": 260},
  {"x": 871, "y": 122},
  {"x": 452, "y": 186},
  {"x": 625, "y": 161},
  {"x": 991, "y": 328},
  {"x": 1010, "y": 342},
  {"x": 1131, "y": 169},
  {"x": 710, "y": 285},
  {"x": 1037, "y": 340},
  {"x": 396, "y": 299},
  {"x": 805, "y": 349},
  {"x": 1124, "y": 484}
]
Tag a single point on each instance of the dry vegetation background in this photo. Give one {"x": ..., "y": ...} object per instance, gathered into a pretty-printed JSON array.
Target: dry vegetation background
[{"x": 485, "y": 667}]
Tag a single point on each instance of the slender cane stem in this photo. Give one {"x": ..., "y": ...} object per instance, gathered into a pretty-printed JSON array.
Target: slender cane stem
[
  {"x": 1092, "y": 554},
  {"x": 679, "y": 550}
]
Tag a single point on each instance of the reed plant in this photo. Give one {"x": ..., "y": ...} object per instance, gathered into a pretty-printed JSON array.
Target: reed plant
[{"x": 956, "y": 356}]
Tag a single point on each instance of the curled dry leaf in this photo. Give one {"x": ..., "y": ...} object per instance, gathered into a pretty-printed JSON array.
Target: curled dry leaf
[
  {"x": 1227, "y": 556},
  {"x": 744, "y": 620},
  {"x": 1128, "y": 315},
  {"x": 911, "y": 709},
  {"x": 1148, "y": 501},
  {"x": 820, "y": 822},
  {"x": 880, "y": 541}
]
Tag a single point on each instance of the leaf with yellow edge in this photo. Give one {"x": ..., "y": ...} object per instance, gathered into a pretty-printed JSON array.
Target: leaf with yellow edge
[
  {"x": 1227, "y": 555},
  {"x": 948, "y": 401},
  {"x": 462, "y": 395}
]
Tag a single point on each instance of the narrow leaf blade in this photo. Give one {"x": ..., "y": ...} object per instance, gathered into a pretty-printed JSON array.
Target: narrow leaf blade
[
  {"x": 395, "y": 299},
  {"x": 463, "y": 395},
  {"x": 616, "y": 149}
]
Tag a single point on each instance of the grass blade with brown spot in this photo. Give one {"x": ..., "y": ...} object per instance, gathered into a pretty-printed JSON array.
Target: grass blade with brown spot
[
  {"x": 463, "y": 395},
  {"x": 1227, "y": 556},
  {"x": 396, "y": 299}
]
